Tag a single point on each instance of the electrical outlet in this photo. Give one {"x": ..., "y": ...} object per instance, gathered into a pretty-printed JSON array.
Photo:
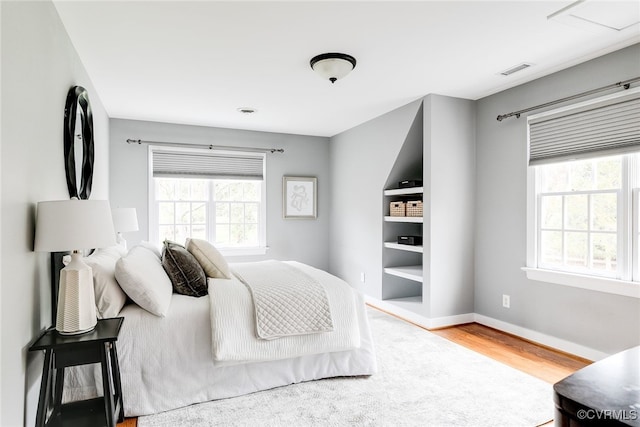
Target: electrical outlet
[
  {"x": 506, "y": 301},
  {"x": 362, "y": 277}
]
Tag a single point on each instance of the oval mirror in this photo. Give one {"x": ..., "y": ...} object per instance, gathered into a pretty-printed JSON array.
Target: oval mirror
[{"x": 78, "y": 143}]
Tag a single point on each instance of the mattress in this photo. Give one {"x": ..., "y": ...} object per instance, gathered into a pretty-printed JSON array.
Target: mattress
[{"x": 167, "y": 363}]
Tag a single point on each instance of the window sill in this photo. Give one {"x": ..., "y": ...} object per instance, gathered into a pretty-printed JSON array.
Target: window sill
[
  {"x": 592, "y": 283},
  {"x": 230, "y": 252}
]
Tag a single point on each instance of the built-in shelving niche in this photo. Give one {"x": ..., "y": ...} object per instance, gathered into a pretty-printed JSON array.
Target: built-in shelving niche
[{"x": 402, "y": 275}]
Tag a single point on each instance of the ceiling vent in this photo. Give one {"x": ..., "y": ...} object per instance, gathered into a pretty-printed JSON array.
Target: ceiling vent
[{"x": 515, "y": 69}]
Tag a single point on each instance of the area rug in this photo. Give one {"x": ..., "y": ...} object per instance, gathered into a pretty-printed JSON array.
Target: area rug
[{"x": 422, "y": 380}]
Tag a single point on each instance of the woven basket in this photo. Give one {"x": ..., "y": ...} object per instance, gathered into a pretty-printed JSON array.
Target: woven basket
[
  {"x": 397, "y": 208},
  {"x": 414, "y": 208}
]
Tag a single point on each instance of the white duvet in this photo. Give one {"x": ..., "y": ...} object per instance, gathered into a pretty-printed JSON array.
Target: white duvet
[
  {"x": 167, "y": 363},
  {"x": 233, "y": 322}
]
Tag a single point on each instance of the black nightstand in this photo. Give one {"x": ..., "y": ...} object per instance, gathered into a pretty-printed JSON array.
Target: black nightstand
[{"x": 63, "y": 351}]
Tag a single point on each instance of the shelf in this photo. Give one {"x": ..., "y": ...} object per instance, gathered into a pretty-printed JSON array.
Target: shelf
[
  {"x": 408, "y": 248},
  {"x": 412, "y": 219},
  {"x": 411, "y": 272},
  {"x": 406, "y": 300},
  {"x": 404, "y": 191}
]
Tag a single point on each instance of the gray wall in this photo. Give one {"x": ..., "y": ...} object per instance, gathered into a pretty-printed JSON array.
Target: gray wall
[
  {"x": 39, "y": 65},
  {"x": 601, "y": 321},
  {"x": 361, "y": 160},
  {"x": 450, "y": 173},
  {"x": 304, "y": 240}
]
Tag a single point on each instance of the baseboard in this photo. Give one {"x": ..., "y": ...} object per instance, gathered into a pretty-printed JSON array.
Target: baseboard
[
  {"x": 398, "y": 311},
  {"x": 540, "y": 338},
  {"x": 519, "y": 331},
  {"x": 443, "y": 322},
  {"x": 425, "y": 322}
]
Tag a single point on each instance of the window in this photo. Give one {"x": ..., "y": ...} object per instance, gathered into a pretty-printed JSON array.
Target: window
[
  {"x": 583, "y": 208},
  {"x": 204, "y": 201},
  {"x": 237, "y": 212},
  {"x": 580, "y": 221}
]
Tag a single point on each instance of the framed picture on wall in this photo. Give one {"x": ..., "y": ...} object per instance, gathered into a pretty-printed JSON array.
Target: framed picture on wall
[{"x": 299, "y": 197}]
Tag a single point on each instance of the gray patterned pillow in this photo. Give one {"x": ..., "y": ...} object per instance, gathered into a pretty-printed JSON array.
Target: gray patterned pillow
[{"x": 186, "y": 274}]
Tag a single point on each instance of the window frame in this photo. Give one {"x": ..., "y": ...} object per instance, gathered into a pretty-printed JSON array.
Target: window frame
[
  {"x": 627, "y": 282},
  {"x": 635, "y": 227},
  {"x": 153, "y": 231}
]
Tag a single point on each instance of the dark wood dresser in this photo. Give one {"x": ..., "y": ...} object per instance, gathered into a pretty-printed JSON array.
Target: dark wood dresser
[{"x": 605, "y": 393}]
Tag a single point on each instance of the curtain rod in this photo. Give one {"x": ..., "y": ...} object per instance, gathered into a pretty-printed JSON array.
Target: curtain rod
[
  {"x": 209, "y": 146},
  {"x": 625, "y": 84}
]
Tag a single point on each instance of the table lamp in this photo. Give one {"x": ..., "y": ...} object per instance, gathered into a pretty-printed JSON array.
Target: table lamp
[
  {"x": 124, "y": 220},
  {"x": 74, "y": 225}
]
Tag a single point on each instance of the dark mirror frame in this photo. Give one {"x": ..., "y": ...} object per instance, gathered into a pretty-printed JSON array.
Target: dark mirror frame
[{"x": 78, "y": 98}]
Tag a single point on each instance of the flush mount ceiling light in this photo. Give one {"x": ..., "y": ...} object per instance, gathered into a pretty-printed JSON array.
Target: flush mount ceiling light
[{"x": 333, "y": 66}]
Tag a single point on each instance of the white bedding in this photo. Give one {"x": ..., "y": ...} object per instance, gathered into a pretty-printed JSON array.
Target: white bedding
[
  {"x": 286, "y": 300},
  {"x": 167, "y": 363},
  {"x": 234, "y": 326}
]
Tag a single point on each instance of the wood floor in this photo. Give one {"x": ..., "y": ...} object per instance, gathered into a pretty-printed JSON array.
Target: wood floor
[
  {"x": 128, "y": 422},
  {"x": 544, "y": 363}
]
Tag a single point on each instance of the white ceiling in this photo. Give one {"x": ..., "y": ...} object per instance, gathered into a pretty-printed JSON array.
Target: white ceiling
[{"x": 197, "y": 62}]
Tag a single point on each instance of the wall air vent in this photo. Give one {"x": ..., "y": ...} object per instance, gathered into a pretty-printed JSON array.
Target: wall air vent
[{"x": 515, "y": 69}]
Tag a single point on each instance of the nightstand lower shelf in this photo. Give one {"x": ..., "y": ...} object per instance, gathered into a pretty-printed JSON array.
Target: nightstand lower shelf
[{"x": 84, "y": 413}]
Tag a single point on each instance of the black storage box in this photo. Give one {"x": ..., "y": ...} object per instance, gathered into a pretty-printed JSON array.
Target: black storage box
[
  {"x": 410, "y": 240},
  {"x": 410, "y": 183}
]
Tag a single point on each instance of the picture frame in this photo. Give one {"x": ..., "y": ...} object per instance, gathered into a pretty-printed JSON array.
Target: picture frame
[{"x": 299, "y": 197}]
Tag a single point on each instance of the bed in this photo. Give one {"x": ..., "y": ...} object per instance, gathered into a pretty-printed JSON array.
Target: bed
[{"x": 168, "y": 362}]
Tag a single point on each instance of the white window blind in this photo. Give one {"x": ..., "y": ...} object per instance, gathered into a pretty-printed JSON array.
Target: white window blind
[
  {"x": 210, "y": 165},
  {"x": 609, "y": 125}
]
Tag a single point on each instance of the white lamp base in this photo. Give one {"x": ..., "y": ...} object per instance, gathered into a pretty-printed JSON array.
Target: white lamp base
[
  {"x": 76, "y": 301},
  {"x": 121, "y": 240}
]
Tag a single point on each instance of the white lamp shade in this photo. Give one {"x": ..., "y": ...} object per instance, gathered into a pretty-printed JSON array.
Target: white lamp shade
[
  {"x": 125, "y": 219},
  {"x": 65, "y": 225}
]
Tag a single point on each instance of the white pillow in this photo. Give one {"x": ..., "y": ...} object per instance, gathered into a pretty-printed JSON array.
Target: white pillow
[
  {"x": 142, "y": 277},
  {"x": 153, "y": 248},
  {"x": 119, "y": 249},
  {"x": 210, "y": 259},
  {"x": 109, "y": 296}
]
